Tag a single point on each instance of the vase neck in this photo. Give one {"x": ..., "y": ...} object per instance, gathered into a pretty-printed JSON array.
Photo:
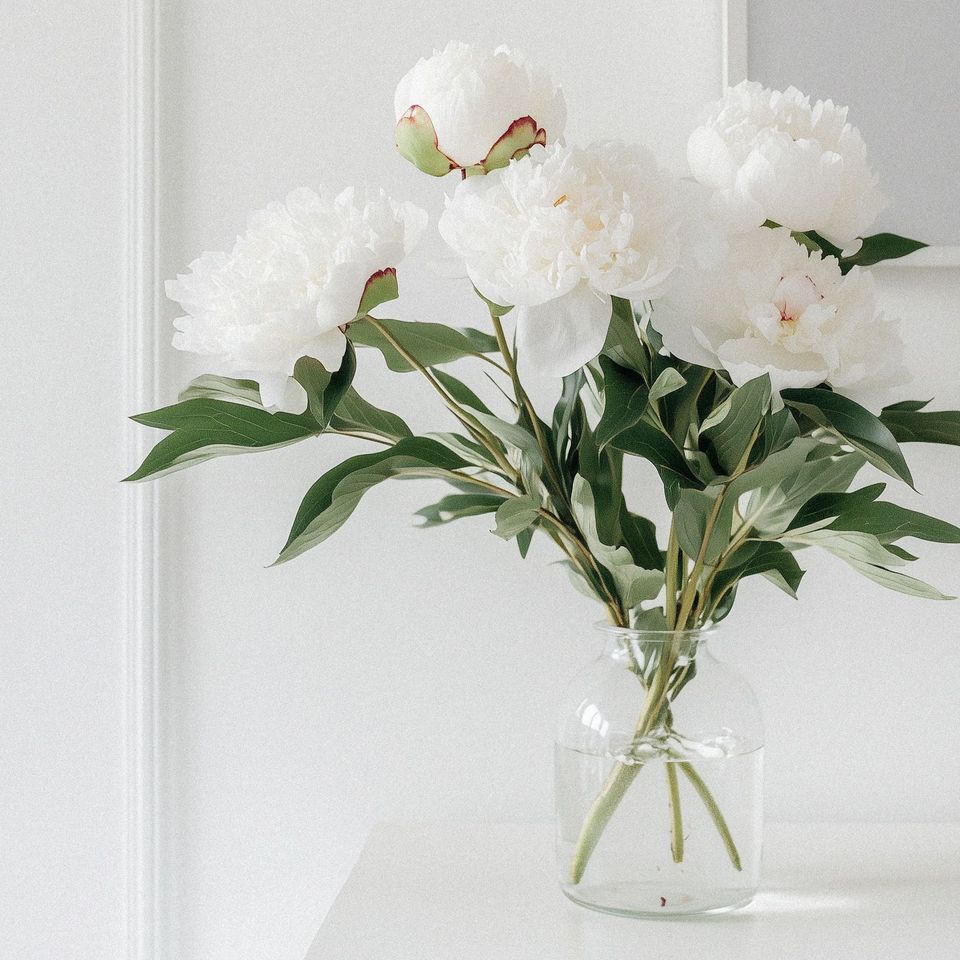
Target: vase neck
[{"x": 640, "y": 646}]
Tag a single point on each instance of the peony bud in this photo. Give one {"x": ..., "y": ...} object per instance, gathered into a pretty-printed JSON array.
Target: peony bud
[{"x": 467, "y": 109}]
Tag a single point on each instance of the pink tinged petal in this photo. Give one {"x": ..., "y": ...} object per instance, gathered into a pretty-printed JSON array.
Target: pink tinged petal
[
  {"x": 515, "y": 143},
  {"x": 559, "y": 337},
  {"x": 380, "y": 288}
]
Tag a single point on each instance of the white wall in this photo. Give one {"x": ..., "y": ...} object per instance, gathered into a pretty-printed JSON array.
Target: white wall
[
  {"x": 391, "y": 673},
  {"x": 61, "y": 459}
]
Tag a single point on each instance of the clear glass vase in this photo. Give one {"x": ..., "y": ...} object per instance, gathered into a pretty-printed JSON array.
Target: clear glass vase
[{"x": 659, "y": 773}]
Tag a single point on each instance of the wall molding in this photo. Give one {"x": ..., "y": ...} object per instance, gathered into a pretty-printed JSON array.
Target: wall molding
[
  {"x": 140, "y": 653},
  {"x": 733, "y": 53}
]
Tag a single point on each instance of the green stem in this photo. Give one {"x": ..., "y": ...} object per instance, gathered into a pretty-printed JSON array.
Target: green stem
[
  {"x": 601, "y": 810},
  {"x": 469, "y": 421},
  {"x": 720, "y": 823},
  {"x": 523, "y": 401},
  {"x": 676, "y": 817}
]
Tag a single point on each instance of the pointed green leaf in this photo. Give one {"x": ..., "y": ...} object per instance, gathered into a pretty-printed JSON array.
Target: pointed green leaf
[
  {"x": 515, "y": 515},
  {"x": 880, "y": 247},
  {"x": 669, "y": 381},
  {"x": 454, "y": 506},
  {"x": 731, "y": 428},
  {"x": 855, "y": 424},
  {"x": 909, "y": 425},
  {"x": 624, "y": 400},
  {"x": 428, "y": 343},
  {"x": 333, "y": 498}
]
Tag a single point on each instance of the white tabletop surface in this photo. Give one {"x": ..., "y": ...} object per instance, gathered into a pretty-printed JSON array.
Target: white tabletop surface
[{"x": 488, "y": 892}]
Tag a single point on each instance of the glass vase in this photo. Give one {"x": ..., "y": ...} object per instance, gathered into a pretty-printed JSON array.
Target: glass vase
[{"x": 659, "y": 770}]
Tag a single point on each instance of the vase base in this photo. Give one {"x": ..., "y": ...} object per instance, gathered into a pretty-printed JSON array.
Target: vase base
[{"x": 649, "y": 902}]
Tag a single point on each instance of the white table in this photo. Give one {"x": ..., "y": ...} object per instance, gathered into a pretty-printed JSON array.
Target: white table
[{"x": 487, "y": 892}]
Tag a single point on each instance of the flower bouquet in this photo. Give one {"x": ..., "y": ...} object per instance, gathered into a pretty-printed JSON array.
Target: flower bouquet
[{"x": 723, "y": 328}]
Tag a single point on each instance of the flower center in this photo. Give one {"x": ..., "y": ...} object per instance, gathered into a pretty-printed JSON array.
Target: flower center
[{"x": 793, "y": 295}]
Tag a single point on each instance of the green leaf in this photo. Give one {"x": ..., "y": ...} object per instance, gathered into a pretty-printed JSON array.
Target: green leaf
[
  {"x": 909, "y": 425},
  {"x": 770, "y": 473},
  {"x": 824, "y": 507},
  {"x": 515, "y": 515},
  {"x": 563, "y": 414},
  {"x": 640, "y": 537},
  {"x": 467, "y": 449},
  {"x": 356, "y": 415},
  {"x": 633, "y": 583},
  {"x": 429, "y": 343},
  {"x": 895, "y": 580},
  {"x": 454, "y": 506},
  {"x": 732, "y": 427},
  {"x": 333, "y": 498},
  {"x": 513, "y": 144},
  {"x": 644, "y": 440},
  {"x": 624, "y": 400},
  {"x": 879, "y": 247},
  {"x": 765, "y": 558},
  {"x": 623, "y": 344},
  {"x": 460, "y": 391},
  {"x": 847, "y": 545},
  {"x": 669, "y": 381},
  {"x": 203, "y": 429},
  {"x": 210, "y": 387},
  {"x": 324, "y": 389},
  {"x": 889, "y": 522},
  {"x": 816, "y": 476},
  {"x": 517, "y": 437},
  {"x": 524, "y": 537},
  {"x": 855, "y": 424},
  {"x": 690, "y": 517}
]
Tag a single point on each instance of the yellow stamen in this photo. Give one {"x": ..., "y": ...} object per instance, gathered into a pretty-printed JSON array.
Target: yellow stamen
[{"x": 561, "y": 199}]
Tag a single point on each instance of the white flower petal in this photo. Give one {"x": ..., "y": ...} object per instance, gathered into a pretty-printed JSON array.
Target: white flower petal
[
  {"x": 772, "y": 306},
  {"x": 280, "y": 393},
  {"x": 796, "y": 163},
  {"x": 297, "y": 273},
  {"x": 750, "y": 358},
  {"x": 559, "y": 337}
]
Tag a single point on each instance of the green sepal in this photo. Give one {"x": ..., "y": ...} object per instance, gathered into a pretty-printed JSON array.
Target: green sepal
[{"x": 416, "y": 139}]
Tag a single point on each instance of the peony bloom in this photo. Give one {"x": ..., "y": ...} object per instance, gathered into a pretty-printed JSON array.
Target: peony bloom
[
  {"x": 560, "y": 231},
  {"x": 772, "y": 306},
  {"x": 775, "y": 156},
  {"x": 466, "y": 107},
  {"x": 291, "y": 282}
]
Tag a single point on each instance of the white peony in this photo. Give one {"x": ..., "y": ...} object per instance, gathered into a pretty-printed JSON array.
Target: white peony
[
  {"x": 290, "y": 283},
  {"x": 466, "y": 99},
  {"x": 771, "y": 306},
  {"x": 560, "y": 231},
  {"x": 773, "y": 155}
]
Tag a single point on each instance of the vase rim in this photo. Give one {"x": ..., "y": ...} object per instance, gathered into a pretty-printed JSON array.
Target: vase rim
[{"x": 638, "y": 633}]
